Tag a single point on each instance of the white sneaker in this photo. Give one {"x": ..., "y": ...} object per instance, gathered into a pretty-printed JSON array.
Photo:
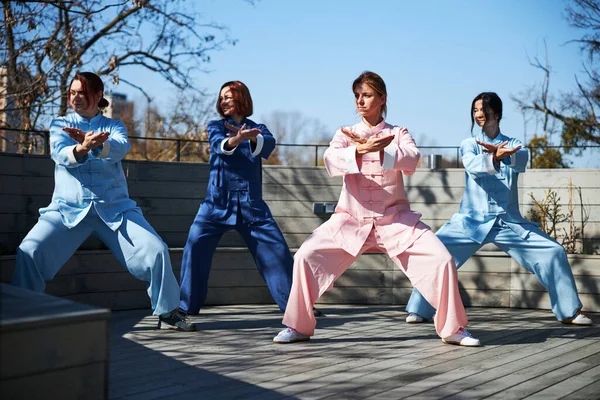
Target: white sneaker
[
  {"x": 462, "y": 338},
  {"x": 289, "y": 335},
  {"x": 414, "y": 319},
  {"x": 579, "y": 319}
]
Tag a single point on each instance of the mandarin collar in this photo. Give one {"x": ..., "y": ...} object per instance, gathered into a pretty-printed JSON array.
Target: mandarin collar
[
  {"x": 232, "y": 122},
  {"x": 371, "y": 130},
  {"x": 80, "y": 118},
  {"x": 498, "y": 139}
]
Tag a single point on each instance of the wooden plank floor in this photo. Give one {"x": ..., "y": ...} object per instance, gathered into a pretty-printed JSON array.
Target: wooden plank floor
[{"x": 358, "y": 352}]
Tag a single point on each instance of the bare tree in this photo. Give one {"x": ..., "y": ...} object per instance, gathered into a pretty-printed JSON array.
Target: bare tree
[
  {"x": 44, "y": 42},
  {"x": 175, "y": 133},
  {"x": 575, "y": 112},
  {"x": 294, "y": 128}
]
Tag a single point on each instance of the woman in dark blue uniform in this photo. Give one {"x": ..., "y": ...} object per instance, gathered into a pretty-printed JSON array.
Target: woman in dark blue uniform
[{"x": 234, "y": 201}]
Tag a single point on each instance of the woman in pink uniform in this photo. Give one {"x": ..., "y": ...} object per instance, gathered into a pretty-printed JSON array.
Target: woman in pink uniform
[{"x": 373, "y": 214}]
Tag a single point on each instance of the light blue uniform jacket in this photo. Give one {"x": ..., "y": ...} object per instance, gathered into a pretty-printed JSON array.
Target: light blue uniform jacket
[
  {"x": 95, "y": 180},
  {"x": 491, "y": 189}
]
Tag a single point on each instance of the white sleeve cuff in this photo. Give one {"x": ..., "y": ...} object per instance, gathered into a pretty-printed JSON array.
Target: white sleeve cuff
[
  {"x": 488, "y": 160},
  {"x": 513, "y": 160},
  {"x": 259, "y": 144},
  {"x": 105, "y": 150},
  {"x": 389, "y": 156},
  {"x": 225, "y": 151},
  {"x": 71, "y": 156},
  {"x": 349, "y": 154}
]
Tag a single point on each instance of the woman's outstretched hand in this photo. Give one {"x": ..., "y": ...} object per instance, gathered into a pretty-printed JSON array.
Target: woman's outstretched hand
[
  {"x": 355, "y": 138},
  {"x": 374, "y": 144},
  {"x": 241, "y": 134}
]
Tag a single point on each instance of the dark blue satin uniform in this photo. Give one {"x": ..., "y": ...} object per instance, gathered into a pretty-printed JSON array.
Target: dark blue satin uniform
[{"x": 234, "y": 201}]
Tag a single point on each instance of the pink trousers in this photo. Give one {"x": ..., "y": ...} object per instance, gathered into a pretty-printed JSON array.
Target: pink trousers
[{"x": 427, "y": 263}]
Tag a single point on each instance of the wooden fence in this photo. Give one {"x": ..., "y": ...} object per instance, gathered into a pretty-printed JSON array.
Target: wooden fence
[{"x": 170, "y": 194}]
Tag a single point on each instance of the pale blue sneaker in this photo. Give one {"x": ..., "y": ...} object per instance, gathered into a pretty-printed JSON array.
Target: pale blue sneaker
[
  {"x": 289, "y": 335},
  {"x": 462, "y": 338}
]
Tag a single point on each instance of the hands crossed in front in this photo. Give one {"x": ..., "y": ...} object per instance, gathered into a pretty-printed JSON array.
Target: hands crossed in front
[
  {"x": 372, "y": 144},
  {"x": 87, "y": 140},
  {"x": 500, "y": 151}
]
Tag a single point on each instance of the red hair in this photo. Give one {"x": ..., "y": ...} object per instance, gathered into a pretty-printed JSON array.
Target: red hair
[{"x": 241, "y": 98}]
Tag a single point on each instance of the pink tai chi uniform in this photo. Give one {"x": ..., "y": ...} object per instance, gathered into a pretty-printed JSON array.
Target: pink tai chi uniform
[{"x": 373, "y": 214}]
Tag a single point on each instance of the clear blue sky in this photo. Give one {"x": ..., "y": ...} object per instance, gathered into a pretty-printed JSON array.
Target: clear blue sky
[{"x": 434, "y": 56}]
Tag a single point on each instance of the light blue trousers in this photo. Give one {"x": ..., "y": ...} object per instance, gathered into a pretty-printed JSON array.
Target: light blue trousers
[
  {"x": 538, "y": 253},
  {"x": 50, "y": 244}
]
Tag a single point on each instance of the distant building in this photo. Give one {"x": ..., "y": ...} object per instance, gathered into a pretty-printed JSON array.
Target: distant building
[
  {"x": 8, "y": 139},
  {"x": 122, "y": 109}
]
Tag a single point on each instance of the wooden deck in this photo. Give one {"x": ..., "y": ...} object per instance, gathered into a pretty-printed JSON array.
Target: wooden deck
[{"x": 358, "y": 352}]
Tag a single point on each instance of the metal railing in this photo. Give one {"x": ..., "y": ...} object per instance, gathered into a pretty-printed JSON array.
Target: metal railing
[
  {"x": 43, "y": 134},
  {"x": 450, "y": 158}
]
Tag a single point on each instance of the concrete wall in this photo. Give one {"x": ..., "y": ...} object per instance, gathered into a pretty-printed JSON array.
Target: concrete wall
[{"x": 170, "y": 194}]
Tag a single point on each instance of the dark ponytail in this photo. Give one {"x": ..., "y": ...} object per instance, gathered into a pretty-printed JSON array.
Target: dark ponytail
[{"x": 103, "y": 103}]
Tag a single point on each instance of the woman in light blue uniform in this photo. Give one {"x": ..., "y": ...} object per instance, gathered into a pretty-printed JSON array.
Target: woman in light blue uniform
[
  {"x": 90, "y": 195},
  {"x": 489, "y": 213}
]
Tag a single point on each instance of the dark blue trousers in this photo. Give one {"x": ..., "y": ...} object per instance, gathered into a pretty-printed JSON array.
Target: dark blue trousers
[{"x": 266, "y": 244}]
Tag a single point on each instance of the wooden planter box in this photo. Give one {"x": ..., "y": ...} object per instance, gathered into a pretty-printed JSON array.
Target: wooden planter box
[{"x": 51, "y": 347}]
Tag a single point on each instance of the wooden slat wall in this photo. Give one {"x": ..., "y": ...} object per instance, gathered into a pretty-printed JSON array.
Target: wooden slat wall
[
  {"x": 170, "y": 194},
  {"x": 488, "y": 279}
]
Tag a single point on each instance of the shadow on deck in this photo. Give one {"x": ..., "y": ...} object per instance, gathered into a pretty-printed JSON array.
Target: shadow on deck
[{"x": 358, "y": 352}]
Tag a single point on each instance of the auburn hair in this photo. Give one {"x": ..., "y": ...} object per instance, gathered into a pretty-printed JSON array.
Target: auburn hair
[
  {"x": 241, "y": 98},
  {"x": 90, "y": 83}
]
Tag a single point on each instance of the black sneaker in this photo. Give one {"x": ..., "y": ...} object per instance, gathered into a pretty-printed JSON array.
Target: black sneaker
[
  {"x": 177, "y": 320},
  {"x": 318, "y": 313}
]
